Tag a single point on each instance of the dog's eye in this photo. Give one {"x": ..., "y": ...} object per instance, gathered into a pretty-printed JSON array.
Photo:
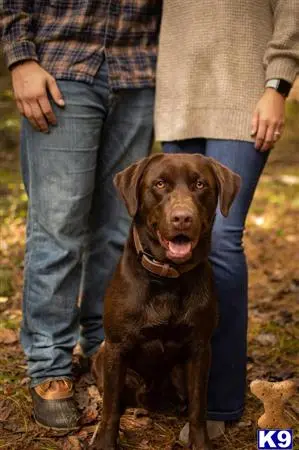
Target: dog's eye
[
  {"x": 199, "y": 184},
  {"x": 160, "y": 184}
]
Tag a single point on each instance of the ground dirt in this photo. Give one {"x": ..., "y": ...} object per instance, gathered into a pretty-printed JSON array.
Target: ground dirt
[{"x": 271, "y": 242}]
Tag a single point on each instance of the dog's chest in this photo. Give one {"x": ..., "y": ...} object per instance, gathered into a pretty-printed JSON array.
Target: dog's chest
[{"x": 164, "y": 332}]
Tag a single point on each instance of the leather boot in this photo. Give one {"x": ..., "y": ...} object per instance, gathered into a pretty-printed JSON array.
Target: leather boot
[{"x": 54, "y": 405}]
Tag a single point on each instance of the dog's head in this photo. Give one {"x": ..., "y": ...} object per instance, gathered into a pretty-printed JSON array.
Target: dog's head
[{"x": 173, "y": 198}]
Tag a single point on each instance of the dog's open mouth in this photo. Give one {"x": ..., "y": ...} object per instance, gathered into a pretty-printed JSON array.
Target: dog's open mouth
[{"x": 178, "y": 248}]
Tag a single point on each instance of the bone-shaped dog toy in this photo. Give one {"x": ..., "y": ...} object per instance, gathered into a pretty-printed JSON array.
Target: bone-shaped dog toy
[{"x": 274, "y": 397}]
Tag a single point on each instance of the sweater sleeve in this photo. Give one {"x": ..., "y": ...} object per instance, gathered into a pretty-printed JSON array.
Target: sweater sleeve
[
  {"x": 17, "y": 33},
  {"x": 281, "y": 59}
]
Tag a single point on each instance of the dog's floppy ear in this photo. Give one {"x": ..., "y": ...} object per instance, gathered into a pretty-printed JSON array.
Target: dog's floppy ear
[
  {"x": 128, "y": 180},
  {"x": 229, "y": 184}
]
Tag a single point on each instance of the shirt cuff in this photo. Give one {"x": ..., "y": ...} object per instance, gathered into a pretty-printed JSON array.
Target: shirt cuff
[
  {"x": 19, "y": 51},
  {"x": 282, "y": 68}
]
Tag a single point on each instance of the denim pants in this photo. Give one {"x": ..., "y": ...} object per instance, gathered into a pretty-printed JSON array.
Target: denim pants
[
  {"x": 77, "y": 224},
  {"x": 227, "y": 383}
]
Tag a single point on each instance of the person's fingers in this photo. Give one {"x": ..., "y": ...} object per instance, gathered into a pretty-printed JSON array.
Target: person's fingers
[
  {"x": 254, "y": 123},
  {"x": 55, "y": 92},
  {"x": 269, "y": 138},
  {"x": 261, "y": 133},
  {"x": 276, "y": 135},
  {"x": 47, "y": 109},
  {"x": 29, "y": 115},
  {"x": 280, "y": 126},
  {"x": 278, "y": 130},
  {"x": 39, "y": 117}
]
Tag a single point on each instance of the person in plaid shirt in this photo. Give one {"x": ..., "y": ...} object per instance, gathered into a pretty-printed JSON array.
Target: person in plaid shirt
[{"x": 83, "y": 75}]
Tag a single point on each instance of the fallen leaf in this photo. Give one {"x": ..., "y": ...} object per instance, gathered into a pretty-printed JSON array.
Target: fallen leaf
[
  {"x": 246, "y": 424},
  {"x": 266, "y": 339},
  {"x": 72, "y": 443},
  {"x": 94, "y": 394},
  {"x": 5, "y": 410},
  {"x": 249, "y": 367},
  {"x": 14, "y": 427},
  {"x": 90, "y": 414},
  {"x": 276, "y": 276},
  {"x": 82, "y": 435},
  {"x": 24, "y": 381},
  {"x": 8, "y": 389},
  {"x": 288, "y": 179},
  {"x": 8, "y": 336}
]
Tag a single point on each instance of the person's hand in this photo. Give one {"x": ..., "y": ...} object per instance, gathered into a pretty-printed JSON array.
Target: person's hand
[
  {"x": 268, "y": 120},
  {"x": 31, "y": 84}
]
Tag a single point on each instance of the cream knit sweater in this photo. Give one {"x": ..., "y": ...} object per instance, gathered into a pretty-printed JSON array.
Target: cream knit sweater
[{"x": 214, "y": 58}]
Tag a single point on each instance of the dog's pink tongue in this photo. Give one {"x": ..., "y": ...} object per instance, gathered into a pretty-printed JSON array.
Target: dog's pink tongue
[{"x": 179, "y": 250}]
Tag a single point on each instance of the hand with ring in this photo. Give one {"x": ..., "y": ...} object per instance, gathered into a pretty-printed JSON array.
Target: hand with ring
[{"x": 268, "y": 120}]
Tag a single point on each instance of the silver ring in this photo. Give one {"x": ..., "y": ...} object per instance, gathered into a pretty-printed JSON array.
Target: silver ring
[{"x": 277, "y": 133}]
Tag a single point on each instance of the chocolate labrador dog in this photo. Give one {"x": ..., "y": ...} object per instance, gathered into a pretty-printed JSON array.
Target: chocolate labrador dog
[{"x": 160, "y": 308}]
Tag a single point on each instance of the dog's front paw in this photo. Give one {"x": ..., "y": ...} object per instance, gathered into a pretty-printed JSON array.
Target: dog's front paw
[
  {"x": 104, "y": 442},
  {"x": 202, "y": 445},
  {"x": 199, "y": 440},
  {"x": 206, "y": 446},
  {"x": 100, "y": 445}
]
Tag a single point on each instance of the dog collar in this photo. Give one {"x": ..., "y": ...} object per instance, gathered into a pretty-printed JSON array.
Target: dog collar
[{"x": 156, "y": 267}]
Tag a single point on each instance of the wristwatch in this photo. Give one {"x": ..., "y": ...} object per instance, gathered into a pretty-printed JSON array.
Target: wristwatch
[{"x": 281, "y": 86}]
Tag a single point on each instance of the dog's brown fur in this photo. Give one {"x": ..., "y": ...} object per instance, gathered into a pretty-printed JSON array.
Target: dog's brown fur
[{"x": 159, "y": 329}]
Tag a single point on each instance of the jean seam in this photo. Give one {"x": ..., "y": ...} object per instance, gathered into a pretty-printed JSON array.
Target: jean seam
[{"x": 29, "y": 258}]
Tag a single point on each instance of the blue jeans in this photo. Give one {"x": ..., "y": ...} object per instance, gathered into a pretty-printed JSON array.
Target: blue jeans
[
  {"x": 77, "y": 224},
  {"x": 227, "y": 383}
]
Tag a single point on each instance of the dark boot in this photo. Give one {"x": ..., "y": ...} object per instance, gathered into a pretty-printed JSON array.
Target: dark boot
[{"x": 54, "y": 405}]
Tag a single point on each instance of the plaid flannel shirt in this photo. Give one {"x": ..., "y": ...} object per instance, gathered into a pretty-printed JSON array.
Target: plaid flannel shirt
[{"x": 70, "y": 38}]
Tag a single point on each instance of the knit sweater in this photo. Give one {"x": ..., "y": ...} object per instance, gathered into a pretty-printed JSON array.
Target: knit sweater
[{"x": 214, "y": 58}]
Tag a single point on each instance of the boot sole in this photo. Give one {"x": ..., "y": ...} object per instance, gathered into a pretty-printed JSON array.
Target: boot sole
[{"x": 61, "y": 430}]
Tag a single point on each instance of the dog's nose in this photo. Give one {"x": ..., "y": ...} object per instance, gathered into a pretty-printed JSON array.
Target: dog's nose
[{"x": 181, "y": 218}]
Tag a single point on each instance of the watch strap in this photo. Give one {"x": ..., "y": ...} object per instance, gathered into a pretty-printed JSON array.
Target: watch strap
[{"x": 283, "y": 87}]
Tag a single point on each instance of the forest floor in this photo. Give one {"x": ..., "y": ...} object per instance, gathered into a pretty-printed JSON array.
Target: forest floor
[{"x": 271, "y": 242}]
